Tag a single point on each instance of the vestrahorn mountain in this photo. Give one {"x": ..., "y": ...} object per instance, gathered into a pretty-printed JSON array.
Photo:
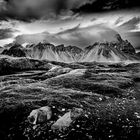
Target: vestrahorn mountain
[{"x": 117, "y": 50}]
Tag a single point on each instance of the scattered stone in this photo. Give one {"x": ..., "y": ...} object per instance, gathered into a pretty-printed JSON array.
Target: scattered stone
[
  {"x": 86, "y": 116},
  {"x": 34, "y": 127},
  {"x": 65, "y": 121},
  {"x": 40, "y": 115},
  {"x": 77, "y": 126},
  {"x": 100, "y": 99},
  {"x": 63, "y": 109},
  {"x": 137, "y": 115}
]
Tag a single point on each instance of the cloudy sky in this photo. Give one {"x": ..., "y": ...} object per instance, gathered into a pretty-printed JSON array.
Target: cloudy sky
[{"x": 69, "y": 22}]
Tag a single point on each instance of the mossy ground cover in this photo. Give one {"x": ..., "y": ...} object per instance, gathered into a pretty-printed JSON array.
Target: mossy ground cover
[{"x": 108, "y": 94}]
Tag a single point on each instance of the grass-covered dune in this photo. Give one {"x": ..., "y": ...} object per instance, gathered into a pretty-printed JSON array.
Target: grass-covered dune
[{"x": 107, "y": 93}]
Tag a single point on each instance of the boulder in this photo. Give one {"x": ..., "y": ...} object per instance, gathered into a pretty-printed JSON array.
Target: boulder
[
  {"x": 40, "y": 115},
  {"x": 65, "y": 121}
]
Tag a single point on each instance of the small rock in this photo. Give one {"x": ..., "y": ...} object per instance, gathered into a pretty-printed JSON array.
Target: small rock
[
  {"x": 86, "y": 116},
  {"x": 66, "y": 120},
  {"x": 63, "y": 109},
  {"x": 137, "y": 115},
  {"x": 34, "y": 127},
  {"x": 100, "y": 99},
  {"x": 53, "y": 107},
  {"x": 77, "y": 126},
  {"x": 40, "y": 115}
]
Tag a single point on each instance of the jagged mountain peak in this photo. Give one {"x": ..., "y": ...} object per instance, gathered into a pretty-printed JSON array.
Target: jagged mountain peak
[
  {"x": 60, "y": 48},
  {"x": 46, "y": 44},
  {"x": 74, "y": 49},
  {"x": 116, "y": 40},
  {"x": 119, "y": 38},
  {"x": 113, "y": 51},
  {"x": 103, "y": 52}
]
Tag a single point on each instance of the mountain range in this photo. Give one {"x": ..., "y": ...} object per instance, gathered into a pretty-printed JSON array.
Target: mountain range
[{"x": 117, "y": 50}]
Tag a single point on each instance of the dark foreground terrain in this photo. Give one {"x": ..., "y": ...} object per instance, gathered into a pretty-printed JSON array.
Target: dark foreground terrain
[{"x": 109, "y": 94}]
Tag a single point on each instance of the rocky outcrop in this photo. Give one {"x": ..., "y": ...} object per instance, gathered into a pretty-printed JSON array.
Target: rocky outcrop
[
  {"x": 16, "y": 50},
  {"x": 123, "y": 45}
]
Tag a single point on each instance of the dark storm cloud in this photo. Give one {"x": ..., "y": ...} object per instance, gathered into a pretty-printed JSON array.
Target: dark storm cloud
[
  {"x": 131, "y": 24},
  {"x": 77, "y": 36},
  {"x": 70, "y": 30},
  {"x": 36, "y": 9},
  {"x": 107, "y": 5},
  {"x": 6, "y": 33}
]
